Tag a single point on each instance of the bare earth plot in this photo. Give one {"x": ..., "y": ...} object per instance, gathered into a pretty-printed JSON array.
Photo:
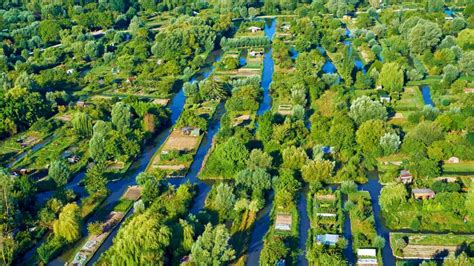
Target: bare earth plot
[{"x": 179, "y": 141}]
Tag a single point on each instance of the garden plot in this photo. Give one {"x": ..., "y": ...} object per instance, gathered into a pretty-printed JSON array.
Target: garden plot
[
  {"x": 428, "y": 246},
  {"x": 251, "y": 29},
  {"x": 283, "y": 30},
  {"x": 133, "y": 193},
  {"x": 177, "y": 152},
  {"x": 410, "y": 100},
  {"x": 326, "y": 217},
  {"x": 180, "y": 141},
  {"x": 252, "y": 66},
  {"x": 54, "y": 150},
  {"x": 327, "y": 213},
  {"x": 13, "y": 146}
]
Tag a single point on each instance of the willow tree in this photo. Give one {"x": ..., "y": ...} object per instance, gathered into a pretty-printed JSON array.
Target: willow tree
[
  {"x": 82, "y": 124},
  {"x": 212, "y": 247},
  {"x": 68, "y": 225}
]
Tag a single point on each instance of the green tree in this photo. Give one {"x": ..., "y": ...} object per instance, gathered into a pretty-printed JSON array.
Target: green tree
[
  {"x": 265, "y": 129},
  {"x": 68, "y": 225},
  {"x": 224, "y": 200},
  {"x": 122, "y": 117},
  {"x": 424, "y": 36},
  {"x": 255, "y": 180},
  {"x": 363, "y": 81},
  {"x": 466, "y": 63},
  {"x": 212, "y": 247},
  {"x": 8, "y": 246},
  {"x": 141, "y": 241},
  {"x": 390, "y": 142},
  {"x": 469, "y": 203},
  {"x": 348, "y": 186},
  {"x": 465, "y": 39},
  {"x": 317, "y": 171},
  {"x": 8, "y": 203},
  {"x": 392, "y": 196},
  {"x": 59, "y": 172},
  {"x": 364, "y": 109},
  {"x": 378, "y": 242},
  {"x": 94, "y": 228},
  {"x": 459, "y": 260},
  {"x": 434, "y": 5},
  {"x": 49, "y": 31},
  {"x": 82, "y": 124},
  {"x": 391, "y": 77},
  {"x": 274, "y": 250},
  {"x": 97, "y": 148},
  {"x": 294, "y": 158},
  {"x": 228, "y": 159},
  {"x": 95, "y": 181},
  {"x": 188, "y": 235},
  {"x": 259, "y": 159},
  {"x": 368, "y": 137},
  {"x": 211, "y": 89},
  {"x": 450, "y": 73}
]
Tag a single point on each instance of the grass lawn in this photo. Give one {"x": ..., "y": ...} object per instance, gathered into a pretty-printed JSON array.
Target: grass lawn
[
  {"x": 428, "y": 81},
  {"x": 123, "y": 205},
  {"x": 410, "y": 100},
  {"x": 463, "y": 167}
]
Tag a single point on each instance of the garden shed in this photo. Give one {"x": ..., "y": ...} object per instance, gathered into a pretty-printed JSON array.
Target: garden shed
[
  {"x": 254, "y": 29},
  {"x": 384, "y": 97},
  {"x": 453, "y": 160},
  {"x": 423, "y": 193},
  {"x": 327, "y": 239},
  {"x": 283, "y": 222},
  {"x": 367, "y": 256},
  {"x": 405, "y": 177}
]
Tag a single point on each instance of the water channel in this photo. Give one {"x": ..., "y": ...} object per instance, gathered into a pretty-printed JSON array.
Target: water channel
[
  {"x": 262, "y": 224},
  {"x": 303, "y": 227},
  {"x": 426, "y": 93},
  {"x": 374, "y": 187}
]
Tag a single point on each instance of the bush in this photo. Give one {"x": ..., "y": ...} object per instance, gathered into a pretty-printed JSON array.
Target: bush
[
  {"x": 348, "y": 187},
  {"x": 415, "y": 224},
  {"x": 50, "y": 249}
]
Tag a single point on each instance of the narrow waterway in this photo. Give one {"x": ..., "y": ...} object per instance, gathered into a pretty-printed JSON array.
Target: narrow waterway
[
  {"x": 328, "y": 67},
  {"x": 374, "y": 187},
  {"x": 347, "y": 231},
  {"x": 268, "y": 68},
  {"x": 304, "y": 226},
  {"x": 262, "y": 224},
  {"x": 260, "y": 229},
  {"x": 426, "y": 93},
  {"x": 118, "y": 187}
]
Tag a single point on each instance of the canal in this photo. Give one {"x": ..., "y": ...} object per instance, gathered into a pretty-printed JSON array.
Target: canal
[
  {"x": 263, "y": 218},
  {"x": 426, "y": 93},
  {"x": 374, "y": 187}
]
